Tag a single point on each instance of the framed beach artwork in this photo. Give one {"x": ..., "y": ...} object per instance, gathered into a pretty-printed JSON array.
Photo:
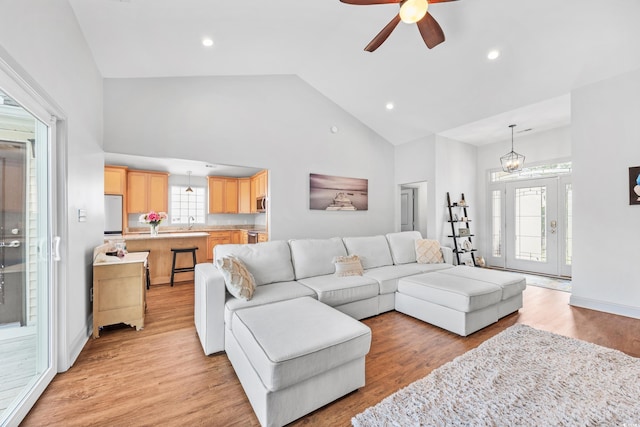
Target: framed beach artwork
[
  {"x": 634, "y": 185},
  {"x": 336, "y": 193}
]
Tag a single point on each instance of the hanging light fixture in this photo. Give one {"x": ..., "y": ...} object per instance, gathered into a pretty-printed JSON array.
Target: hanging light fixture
[
  {"x": 189, "y": 189},
  {"x": 411, "y": 11},
  {"x": 512, "y": 161}
]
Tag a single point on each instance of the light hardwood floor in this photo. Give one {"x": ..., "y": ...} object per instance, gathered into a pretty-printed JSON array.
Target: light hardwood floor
[{"x": 160, "y": 377}]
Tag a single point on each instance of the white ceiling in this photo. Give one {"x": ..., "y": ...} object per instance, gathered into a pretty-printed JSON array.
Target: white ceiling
[{"x": 548, "y": 48}]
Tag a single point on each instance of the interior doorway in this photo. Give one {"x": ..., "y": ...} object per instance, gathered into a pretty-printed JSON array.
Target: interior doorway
[{"x": 413, "y": 207}]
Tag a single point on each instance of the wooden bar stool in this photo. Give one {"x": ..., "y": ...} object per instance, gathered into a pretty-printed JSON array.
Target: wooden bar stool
[{"x": 177, "y": 251}]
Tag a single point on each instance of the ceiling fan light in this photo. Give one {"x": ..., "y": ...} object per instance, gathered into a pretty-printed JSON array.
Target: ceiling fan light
[{"x": 411, "y": 11}]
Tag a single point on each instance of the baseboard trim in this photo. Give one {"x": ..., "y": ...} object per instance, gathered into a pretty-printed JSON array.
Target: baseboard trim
[
  {"x": 607, "y": 307},
  {"x": 78, "y": 344}
]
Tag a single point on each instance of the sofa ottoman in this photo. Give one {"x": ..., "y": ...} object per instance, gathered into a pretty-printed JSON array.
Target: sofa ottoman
[
  {"x": 457, "y": 304},
  {"x": 293, "y": 357},
  {"x": 512, "y": 285}
]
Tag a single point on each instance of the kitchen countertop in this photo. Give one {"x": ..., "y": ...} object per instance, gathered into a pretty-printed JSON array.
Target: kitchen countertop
[{"x": 178, "y": 235}]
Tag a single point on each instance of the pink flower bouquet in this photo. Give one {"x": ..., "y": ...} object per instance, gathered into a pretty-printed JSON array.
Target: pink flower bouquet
[{"x": 153, "y": 218}]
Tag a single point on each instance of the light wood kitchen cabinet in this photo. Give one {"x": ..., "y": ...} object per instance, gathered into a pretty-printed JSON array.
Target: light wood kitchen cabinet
[
  {"x": 258, "y": 188},
  {"x": 244, "y": 237},
  {"x": 119, "y": 292},
  {"x": 115, "y": 180},
  {"x": 223, "y": 194},
  {"x": 263, "y": 237},
  {"x": 147, "y": 191},
  {"x": 236, "y": 237},
  {"x": 217, "y": 238},
  {"x": 244, "y": 195}
]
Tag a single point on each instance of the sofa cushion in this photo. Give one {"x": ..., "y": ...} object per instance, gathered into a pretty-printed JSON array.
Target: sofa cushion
[
  {"x": 373, "y": 251},
  {"x": 314, "y": 257},
  {"x": 458, "y": 293},
  {"x": 388, "y": 276},
  {"x": 334, "y": 291},
  {"x": 266, "y": 294},
  {"x": 269, "y": 262},
  {"x": 402, "y": 245},
  {"x": 291, "y": 341},
  {"x": 349, "y": 265},
  {"x": 238, "y": 280},
  {"x": 428, "y": 251},
  {"x": 512, "y": 284}
]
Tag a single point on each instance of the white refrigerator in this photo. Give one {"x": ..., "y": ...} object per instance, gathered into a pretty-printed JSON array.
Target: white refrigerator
[{"x": 112, "y": 214}]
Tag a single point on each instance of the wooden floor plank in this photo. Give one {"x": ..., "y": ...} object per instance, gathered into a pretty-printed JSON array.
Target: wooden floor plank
[{"x": 160, "y": 376}]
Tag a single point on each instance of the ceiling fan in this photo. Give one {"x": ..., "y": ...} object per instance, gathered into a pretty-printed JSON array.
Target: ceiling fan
[{"x": 411, "y": 11}]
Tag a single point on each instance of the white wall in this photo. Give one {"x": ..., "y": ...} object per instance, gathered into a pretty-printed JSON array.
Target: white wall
[
  {"x": 606, "y": 142},
  {"x": 43, "y": 38},
  {"x": 275, "y": 122},
  {"x": 447, "y": 166},
  {"x": 538, "y": 148}
]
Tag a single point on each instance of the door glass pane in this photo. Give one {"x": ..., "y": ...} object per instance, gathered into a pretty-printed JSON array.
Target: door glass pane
[
  {"x": 569, "y": 224},
  {"x": 496, "y": 223},
  {"x": 24, "y": 263},
  {"x": 530, "y": 221}
]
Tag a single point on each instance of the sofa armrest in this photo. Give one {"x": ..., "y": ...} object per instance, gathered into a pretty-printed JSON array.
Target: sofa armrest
[
  {"x": 447, "y": 254},
  {"x": 208, "y": 311}
]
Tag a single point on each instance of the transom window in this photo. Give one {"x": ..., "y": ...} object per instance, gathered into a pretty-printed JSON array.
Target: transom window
[
  {"x": 185, "y": 205},
  {"x": 540, "y": 171}
]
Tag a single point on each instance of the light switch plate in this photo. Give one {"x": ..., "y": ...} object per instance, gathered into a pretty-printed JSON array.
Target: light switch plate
[{"x": 82, "y": 215}]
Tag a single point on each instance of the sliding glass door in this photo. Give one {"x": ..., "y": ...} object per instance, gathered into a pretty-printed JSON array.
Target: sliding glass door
[{"x": 26, "y": 265}]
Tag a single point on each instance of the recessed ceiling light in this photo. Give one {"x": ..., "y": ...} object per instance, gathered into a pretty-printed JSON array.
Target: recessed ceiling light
[
  {"x": 207, "y": 42},
  {"x": 390, "y": 106},
  {"x": 493, "y": 54}
]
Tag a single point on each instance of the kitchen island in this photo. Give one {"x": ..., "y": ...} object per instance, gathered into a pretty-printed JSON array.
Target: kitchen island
[{"x": 160, "y": 255}]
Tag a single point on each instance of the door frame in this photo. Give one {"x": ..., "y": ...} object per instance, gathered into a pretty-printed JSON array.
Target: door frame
[{"x": 17, "y": 83}]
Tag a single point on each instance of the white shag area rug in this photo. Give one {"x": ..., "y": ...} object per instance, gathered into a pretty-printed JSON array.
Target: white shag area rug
[{"x": 520, "y": 377}]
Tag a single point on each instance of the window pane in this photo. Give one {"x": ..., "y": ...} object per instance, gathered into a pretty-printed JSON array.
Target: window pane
[
  {"x": 540, "y": 171},
  {"x": 530, "y": 220},
  {"x": 569, "y": 224},
  {"x": 496, "y": 223},
  {"x": 185, "y": 205}
]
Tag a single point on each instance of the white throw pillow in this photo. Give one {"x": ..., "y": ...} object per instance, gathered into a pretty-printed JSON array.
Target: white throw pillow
[
  {"x": 348, "y": 266},
  {"x": 237, "y": 278},
  {"x": 428, "y": 252}
]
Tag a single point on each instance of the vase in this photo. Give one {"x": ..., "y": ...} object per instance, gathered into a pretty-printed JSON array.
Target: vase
[{"x": 153, "y": 229}]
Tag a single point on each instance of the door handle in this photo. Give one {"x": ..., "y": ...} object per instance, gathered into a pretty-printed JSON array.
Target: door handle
[
  {"x": 56, "y": 248},
  {"x": 12, "y": 244},
  {"x": 554, "y": 225}
]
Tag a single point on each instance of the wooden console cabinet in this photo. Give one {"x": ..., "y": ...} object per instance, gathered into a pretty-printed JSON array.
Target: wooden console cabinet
[{"x": 119, "y": 292}]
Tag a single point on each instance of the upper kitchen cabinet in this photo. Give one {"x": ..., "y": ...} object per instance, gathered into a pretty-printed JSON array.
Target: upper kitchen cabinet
[
  {"x": 244, "y": 195},
  {"x": 223, "y": 195},
  {"x": 147, "y": 191},
  {"x": 115, "y": 179},
  {"x": 258, "y": 188}
]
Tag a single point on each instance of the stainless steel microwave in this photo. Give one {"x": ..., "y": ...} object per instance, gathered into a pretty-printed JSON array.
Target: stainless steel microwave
[{"x": 261, "y": 204}]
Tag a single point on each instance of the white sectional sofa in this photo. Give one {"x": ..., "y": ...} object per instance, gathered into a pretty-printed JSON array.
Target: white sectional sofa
[{"x": 297, "y": 289}]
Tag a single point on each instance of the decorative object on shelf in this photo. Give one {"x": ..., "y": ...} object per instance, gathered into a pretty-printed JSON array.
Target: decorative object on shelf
[
  {"x": 462, "y": 203},
  {"x": 634, "y": 185},
  {"x": 154, "y": 219},
  {"x": 512, "y": 161},
  {"x": 464, "y": 232},
  {"x": 455, "y": 217},
  {"x": 469, "y": 262},
  {"x": 466, "y": 245}
]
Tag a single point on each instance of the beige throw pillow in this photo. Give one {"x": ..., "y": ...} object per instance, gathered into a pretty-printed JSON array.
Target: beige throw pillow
[
  {"x": 239, "y": 281},
  {"x": 428, "y": 252},
  {"x": 348, "y": 266}
]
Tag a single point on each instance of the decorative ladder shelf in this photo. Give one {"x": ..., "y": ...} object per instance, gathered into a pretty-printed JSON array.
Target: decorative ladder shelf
[{"x": 460, "y": 234}]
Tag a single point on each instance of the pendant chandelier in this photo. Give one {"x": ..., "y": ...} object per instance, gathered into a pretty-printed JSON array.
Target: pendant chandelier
[
  {"x": 512, "y": 161},
  {"x": 189, "y": 189}
]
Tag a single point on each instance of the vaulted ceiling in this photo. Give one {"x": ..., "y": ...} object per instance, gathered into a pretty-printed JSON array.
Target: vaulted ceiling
[{"x": 547, "y": 49}]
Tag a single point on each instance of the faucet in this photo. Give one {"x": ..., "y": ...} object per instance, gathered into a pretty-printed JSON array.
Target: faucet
[{"x": 190, "y": 225}]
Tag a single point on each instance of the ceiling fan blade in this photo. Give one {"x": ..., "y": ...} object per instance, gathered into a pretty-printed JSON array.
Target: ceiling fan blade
[
  {"x": 431, "y": 31},
  {"x": 368, "y": 2},
  {"x": 382, "y": 35}
]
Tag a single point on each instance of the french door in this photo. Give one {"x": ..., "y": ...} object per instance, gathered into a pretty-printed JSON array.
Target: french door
[{"x": 534, "y": 230}]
